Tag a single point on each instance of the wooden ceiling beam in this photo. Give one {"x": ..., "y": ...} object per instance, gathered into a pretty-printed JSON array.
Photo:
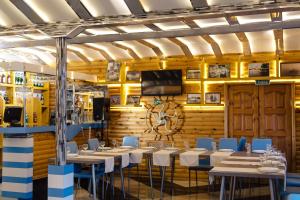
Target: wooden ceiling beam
[
  {"x": 214, "y": 45},
  {"x": 135, "y": 7},
  {"x": 278, "y": 35},
  {"x": 80, "y": 55},
  {"x": 27, "y": 11},
  {"x": 101, "y": 51},
  {"x": 199, "y": 4},
  {"x": 154, "y": 48},
  {"x": 185, "y": 49},
  {"x": 232, "y": 21},
  {"x": 130, "y": 51},
  {"x": 81, "y": 11}
]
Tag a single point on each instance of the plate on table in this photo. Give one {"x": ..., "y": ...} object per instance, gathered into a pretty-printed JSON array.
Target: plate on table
[
  {"x": 126, "y": 147},
  {"x": 171, "y": 148},
  {"x": 149, "y": 148},
  {"x": 268, "y": 169},
  {"x": 225, "y": 150},
  {"x": 70, "y": 155},
  {"x": 199, "y": 149},
  {"x": 258, "y": 151}
]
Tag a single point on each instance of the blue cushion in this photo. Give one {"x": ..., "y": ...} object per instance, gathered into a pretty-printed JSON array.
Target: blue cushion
[
  {"x": 132, "y": 141},
  {"x": 293, "y": 182},
  {"x": 293, "y": 175},
  {"x": 206, "y": 143},
  {"x": 72, "y": 147},
  {"x": 93, "y": 143},
  {"x": 242, "y": 144},
  {"x": 260, "y": 144},
  {"x": 228, "y": 143},
  {"x": 293, "y": 197}
]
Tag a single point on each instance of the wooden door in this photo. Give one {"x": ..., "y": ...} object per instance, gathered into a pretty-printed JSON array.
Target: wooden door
[
  {"x": 275, "y": 116},
  {"x": 243, "y": 111}
]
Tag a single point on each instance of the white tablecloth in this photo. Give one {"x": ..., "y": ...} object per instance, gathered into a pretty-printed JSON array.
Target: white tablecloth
[
  {"x": 109, "y": 161},
  {"x": 136, "y": 155},
  {"x": 124, "y": 155},
  {"x": 217, "y": 157},
  {"x": 190, "y": 158},
  {"x": 162, "y": 157}
]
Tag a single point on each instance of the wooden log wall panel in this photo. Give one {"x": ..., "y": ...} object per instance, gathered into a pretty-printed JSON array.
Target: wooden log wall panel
[{"x": 297, "y": 159}]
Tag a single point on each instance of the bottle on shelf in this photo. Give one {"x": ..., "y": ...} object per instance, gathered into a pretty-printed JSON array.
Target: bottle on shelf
[
  {"x": 42, "y": 99},
  {"x": 26, "y": 118},
  {"x": 3, "y": 78},
  {"x": 8, "y": 79},
  {"x": 34, "y": 117}
]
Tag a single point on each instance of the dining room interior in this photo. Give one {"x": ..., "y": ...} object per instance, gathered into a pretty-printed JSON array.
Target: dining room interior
[{"x": 149, "y": 99}]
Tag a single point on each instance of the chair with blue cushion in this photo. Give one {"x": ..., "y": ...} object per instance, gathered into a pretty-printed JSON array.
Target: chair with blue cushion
[
  {"x": 93, "y": 143},
  {"x": 228, "y": 143},
  {"x": 260, "y": 144},
  {"x": 80, "y": 173},
  {"x": 204, "y": 164},
  {"x": 293, "y": 197},
  {"x": 242, "y": 144},
  {"x": 132, "y": 141}
]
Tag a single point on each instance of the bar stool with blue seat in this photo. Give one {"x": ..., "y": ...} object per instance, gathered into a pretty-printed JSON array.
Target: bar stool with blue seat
[
  {"x": 93, "y": 144},
  {"x": 131, "y": 141},
  {"x": 204, "y": 164},
  {"x": 80, "y": 173},
  {"x": 228, "y": 143},
  {"x": 260, "y": 144}
]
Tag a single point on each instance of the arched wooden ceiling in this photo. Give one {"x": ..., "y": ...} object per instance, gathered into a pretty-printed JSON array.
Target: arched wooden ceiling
[{"x": 206, "y": 14}]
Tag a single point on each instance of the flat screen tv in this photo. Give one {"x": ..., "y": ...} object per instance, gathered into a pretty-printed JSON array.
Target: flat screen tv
[{"x": 162, "y": 83}]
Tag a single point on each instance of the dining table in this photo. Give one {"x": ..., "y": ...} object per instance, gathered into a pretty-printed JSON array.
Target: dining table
[{"x": 246, "y": 165}]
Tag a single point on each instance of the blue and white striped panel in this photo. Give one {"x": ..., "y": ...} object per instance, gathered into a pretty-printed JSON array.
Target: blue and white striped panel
[
  {"x": 17, "y": 169},
  {"x": 60, "y": 182}
]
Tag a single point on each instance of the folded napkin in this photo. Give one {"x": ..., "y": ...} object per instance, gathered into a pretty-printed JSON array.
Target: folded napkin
[
  {"x": 136, "y": 155},
  {"x": 108, "y": 161},
  {"x": 218, "y": 156},
  {"x": 190, "y": 158},
  {"x": 162, "y": 157}
]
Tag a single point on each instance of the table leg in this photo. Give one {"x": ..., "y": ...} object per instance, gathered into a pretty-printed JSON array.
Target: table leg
[
  {"x": 112, "y": 185},
  {"x": 222, "y": 191},
  {"x": 94, "y": 182},
  {"x": 163, "y": 169},
  {"x": 122, "y": 181},
  {"x": 230, "y": 187},
  {"x": 271, "y": 189},
  {"x": 233, "y": 188},
  {"x": 172, "y": 175},
  {"x": 150, "y": 175}
]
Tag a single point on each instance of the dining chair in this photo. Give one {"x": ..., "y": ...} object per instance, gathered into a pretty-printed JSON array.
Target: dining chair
[
  {"x": 242, "y": 144},
  {"x": 81, "y": 173},
  {"x": 293, "y": 197},
  {"x": 204, "y": 164},
  {"x": 228, "y": 143},
  {"x": 132, "y": 141},
  {"x": 260, "y": 144},
  {"x": 93, "y": 143}
]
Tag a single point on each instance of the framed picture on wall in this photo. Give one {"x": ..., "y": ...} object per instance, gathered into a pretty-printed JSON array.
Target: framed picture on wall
[
  {"x": 133, "y": 100},
  {"x": 289, "y": 69},
  {"x": 133, "y": 76},
  {"x": 213, "y": 98},
  {"x": 219, "y": 71},
  {"x": 259, "y": 69},
  {"x": 193, "y": 98},
  {"x": 115, "y": 100},
  {"x": 192, "y": 74},
  {"x": 113, "y": 71}
]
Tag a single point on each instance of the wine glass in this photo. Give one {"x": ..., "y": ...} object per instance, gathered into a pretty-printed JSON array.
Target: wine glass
[
  {"x": 114, "y": 143},
  {"x": 102, "y": 144},
  {"x": 85, "y": 147}
]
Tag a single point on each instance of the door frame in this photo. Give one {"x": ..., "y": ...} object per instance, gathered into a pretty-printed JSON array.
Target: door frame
[{"x": 292, "y": 103}]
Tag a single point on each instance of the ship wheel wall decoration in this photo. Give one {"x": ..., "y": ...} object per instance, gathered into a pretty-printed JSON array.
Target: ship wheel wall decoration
[{"x": 164, "y": 118}]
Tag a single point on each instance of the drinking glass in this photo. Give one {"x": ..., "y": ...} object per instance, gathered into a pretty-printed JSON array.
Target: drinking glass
[
  {"x": 85, "y": 147},
  {"x": 102, "y": 144},
  {"x": 114, "y": 143}
]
